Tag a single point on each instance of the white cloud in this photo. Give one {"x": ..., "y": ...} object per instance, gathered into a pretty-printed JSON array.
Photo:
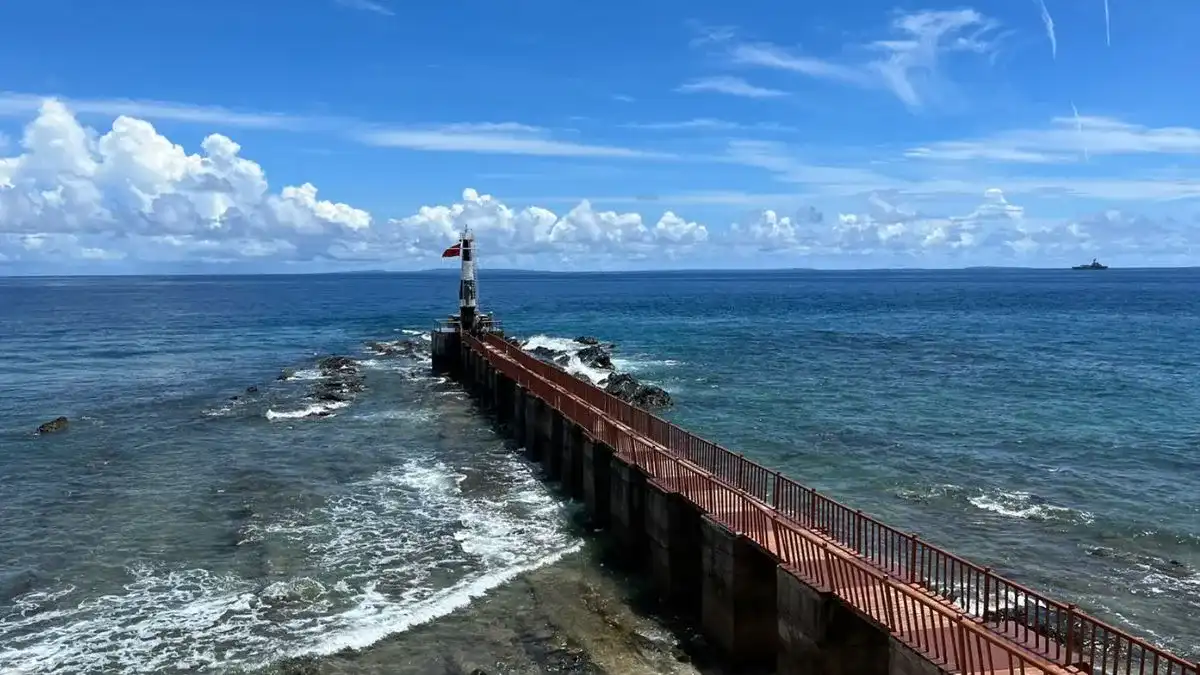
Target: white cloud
[
  {"x": 908, "y": 65},
  {"x": 510, "y": 138},
  {"x": 707, "y": 124},
  {"x": 76, "y": 193},
  {"x": 1048, "y": 22},
  {"x": 23, "y": 105},
  {"x": 130, "y": 195},
  {"x": 1067, "y": 139},
  {"x": 776, "y": 158},
  {"x": 995, "y": 232},
  {"x": 503, "y": 138},
  {"x": 133, "y": 181},
  {"x": 732, "y": 86},
  {"x": 930, "y": 179},
  {"x": 582, "y": 231},
  {"x": 770, "y": 56},
  {"x": 366, "y": 6}
]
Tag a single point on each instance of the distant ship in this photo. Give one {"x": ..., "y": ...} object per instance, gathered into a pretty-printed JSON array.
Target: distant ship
[{"x": 1093, "y": 266}]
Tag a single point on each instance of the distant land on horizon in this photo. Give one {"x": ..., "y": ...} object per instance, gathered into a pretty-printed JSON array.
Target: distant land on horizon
[{"x": 453, "y": 271}]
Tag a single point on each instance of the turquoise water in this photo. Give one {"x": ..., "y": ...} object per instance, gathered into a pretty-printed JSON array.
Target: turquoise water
[{"x": 1046, "y": 423}]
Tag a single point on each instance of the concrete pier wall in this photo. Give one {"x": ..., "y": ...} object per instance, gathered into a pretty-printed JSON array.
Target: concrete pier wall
[{"x": 762, "y": 617}]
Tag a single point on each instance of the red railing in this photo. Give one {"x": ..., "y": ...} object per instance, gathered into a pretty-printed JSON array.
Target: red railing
[{"x": 997, "y": 611}]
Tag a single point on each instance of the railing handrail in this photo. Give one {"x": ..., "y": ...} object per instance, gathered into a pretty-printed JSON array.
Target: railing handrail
[{"x": 582, "y": 388}]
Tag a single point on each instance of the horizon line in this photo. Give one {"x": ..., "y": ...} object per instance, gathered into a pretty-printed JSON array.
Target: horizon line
[{"x": 452, "y": 270}]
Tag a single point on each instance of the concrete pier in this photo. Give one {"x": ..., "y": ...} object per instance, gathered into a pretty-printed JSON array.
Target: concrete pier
[{"x": 762, "y": 616}]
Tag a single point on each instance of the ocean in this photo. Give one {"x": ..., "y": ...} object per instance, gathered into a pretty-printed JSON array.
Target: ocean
[{"x": 1046, "y": 423}]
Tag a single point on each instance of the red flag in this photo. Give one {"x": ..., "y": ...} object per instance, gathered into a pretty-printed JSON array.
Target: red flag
[{"x": 453, "y": 252}]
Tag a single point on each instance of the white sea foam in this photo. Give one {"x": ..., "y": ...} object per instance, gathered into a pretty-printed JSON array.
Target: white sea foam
[
  {"x": 575, "y": 366},
  {"x": 380, "y": 541},
  {"x": 414, "y": 415},
  {"x": 310, "y": 410},
  {"x": 571, "y": 348},
  {"x": 306, "y": 375},
  {"x": 1017, "y": 504},
  {"x": 635, "y": 364},
  {"x": 558, "y": 344}
]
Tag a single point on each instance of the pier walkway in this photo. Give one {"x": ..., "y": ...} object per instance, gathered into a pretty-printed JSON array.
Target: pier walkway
[{"x": 958, "y": 616}]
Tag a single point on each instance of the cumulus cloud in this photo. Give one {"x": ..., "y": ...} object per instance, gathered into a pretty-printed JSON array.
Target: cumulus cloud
[
  {"x": 72, "y": 192},
  {"x": 133, "y": 181},
  {"x": 582, "y": 231},
  {"x": 128, "y": 195},
  {"x": 996, "y": 227}
]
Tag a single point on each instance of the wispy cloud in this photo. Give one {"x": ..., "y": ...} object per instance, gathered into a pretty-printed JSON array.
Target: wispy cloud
[
  {"x": 1048, "y": 22},
  {"x": 770, "y": 56},
  {"x": 481, "y": 137},
  {"x": 1079, "y": 127},
  {"x": 788, "y": 166},
  {"x": 733, "y": 86},
  {"x": 1107, "y": 26},
  {"x": 497, "y": 139},
  {"x": 23, "y": 105},
  {"x": 624, "y": 98},
  {"x": 366, "y": 6},
  {"x": 781, "y": 161},
  {"x": 1065, "y": 139},
  {"x": 707, "y": 124},
  {"x": 706, "y": 34},
  {"x": 902, "y": 63}
]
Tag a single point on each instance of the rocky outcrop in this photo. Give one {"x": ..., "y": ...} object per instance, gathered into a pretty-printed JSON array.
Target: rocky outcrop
[
  {"x": 340, "y": 379},
  {"x": 596, "y": 356},
  {"x": 546, "y": 354},
  {"x": 627, "y": 388},
  {"x": 396, "y": 348},
  {"x": 55, "y": 425}
]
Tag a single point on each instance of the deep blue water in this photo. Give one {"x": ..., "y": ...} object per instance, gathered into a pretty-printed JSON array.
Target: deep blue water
[{"x": 1044, "y": 422}]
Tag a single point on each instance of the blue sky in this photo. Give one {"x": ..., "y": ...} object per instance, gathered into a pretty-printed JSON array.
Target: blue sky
[{"x": 343, "y": 134}]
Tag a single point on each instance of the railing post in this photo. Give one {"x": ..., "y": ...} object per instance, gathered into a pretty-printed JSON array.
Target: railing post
[
  {"x": 962, "y": 650},
  {"x": 858, "y": 531},
  {"x": 913, "y": 541},
  {"x": 812, "y": 509},
  {"x": 887, "y": 597},
  {"x": 987, "y": 593},
  {"x": 775, "y": 492},
  {"x": 741, "y": 469},
  {"x": 828, "y": 560},
  {"x": 1070, "y": 634}
]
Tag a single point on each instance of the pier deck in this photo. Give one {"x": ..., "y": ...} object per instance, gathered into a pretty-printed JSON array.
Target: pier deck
[{"x": 959, "y": 616}]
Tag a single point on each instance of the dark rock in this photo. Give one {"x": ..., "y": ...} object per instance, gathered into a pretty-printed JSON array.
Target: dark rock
[
  {"x": 56, "y": 424},
  {"x": 299, "y": 665},
  {"x": 563, "y": 359},
  {"x": 333, "y": 364},
  {"x": 543, "y": 353},
  {"x": 397, "y": 348},
  {"x": 596, "y": 356},
  {"x": 286, "y": 374},
  {"x": 234, "y": 397},
  {"x": 252, "y": 389},
  {"x": 622, "y": 385},
  {"x": 651, "y": 396},
  {"x": 338, "y": 395},
  {"x": 587, "y": 340},
  {"x": 627, "y": 388}
]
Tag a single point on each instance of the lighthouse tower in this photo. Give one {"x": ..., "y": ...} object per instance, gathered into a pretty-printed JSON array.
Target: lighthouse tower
[{"x": 467, "y": 297}]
